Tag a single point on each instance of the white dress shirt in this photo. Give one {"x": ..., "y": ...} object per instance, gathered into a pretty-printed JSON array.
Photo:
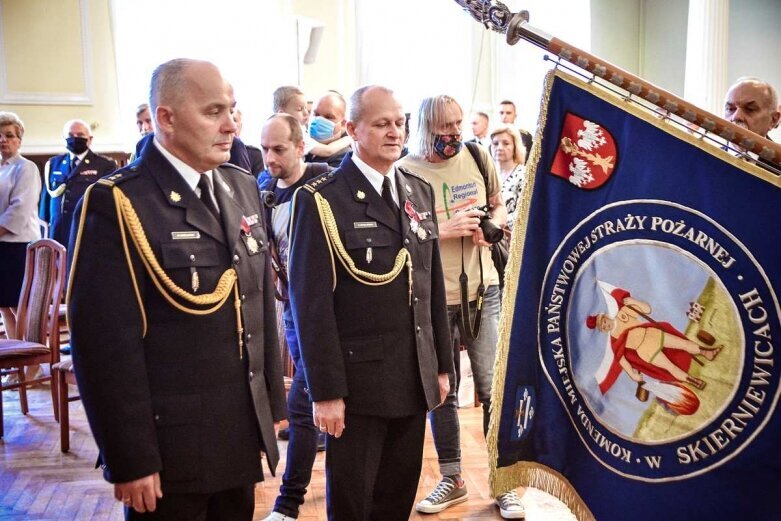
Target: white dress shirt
[{"x": 376, "y": 178}]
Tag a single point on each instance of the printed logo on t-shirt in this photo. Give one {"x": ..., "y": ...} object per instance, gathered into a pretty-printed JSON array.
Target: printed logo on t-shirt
[{"x": 459, "y": 197}]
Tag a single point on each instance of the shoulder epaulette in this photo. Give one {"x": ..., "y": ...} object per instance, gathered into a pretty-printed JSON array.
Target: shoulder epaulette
[
  {"x": 316, "y": 183},
  {"x": 407, "y": 171},
  {"x": 120, "y": 176},
  {"x": 107, "y": 158},
  {"x": 230, "y": 166}
]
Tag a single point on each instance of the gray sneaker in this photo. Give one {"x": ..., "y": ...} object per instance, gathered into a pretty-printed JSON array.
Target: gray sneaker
[
  {"x": 510, "y": 506},
  {"x": 446, "y": 494}
]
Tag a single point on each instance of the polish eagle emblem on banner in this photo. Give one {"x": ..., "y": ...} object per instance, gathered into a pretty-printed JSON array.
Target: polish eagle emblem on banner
[{"x": 586, "y": 156}]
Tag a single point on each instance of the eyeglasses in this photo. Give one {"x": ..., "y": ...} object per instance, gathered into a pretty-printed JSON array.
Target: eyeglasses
[{"x": 9, "y": 136}]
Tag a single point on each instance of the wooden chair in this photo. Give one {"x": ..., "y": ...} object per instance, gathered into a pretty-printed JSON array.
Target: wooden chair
[
  {"x": 37, "y": 326},
  {"x": 64, "y": 375}
]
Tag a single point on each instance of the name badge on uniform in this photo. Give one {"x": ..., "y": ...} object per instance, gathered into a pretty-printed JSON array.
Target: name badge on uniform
[
  {"x": 185, "y": 235},
  {"x": 366, "y": 224}
]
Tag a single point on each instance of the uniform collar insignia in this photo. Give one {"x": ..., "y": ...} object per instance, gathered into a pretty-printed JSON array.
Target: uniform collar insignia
[
  {"x": 175, "y": 197},
  {"x": 360, "y": 195}
]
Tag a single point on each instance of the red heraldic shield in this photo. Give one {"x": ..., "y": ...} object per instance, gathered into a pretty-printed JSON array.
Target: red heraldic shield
[{"x": 586, "y": 156}]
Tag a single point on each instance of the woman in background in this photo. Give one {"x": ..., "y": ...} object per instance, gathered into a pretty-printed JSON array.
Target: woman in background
[
  {"x": 20, "y": 188},
  {"x": 510, "y": 157}
]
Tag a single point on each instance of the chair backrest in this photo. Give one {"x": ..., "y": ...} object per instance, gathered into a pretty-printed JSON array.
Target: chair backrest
[{"x": 39, "y": 301}]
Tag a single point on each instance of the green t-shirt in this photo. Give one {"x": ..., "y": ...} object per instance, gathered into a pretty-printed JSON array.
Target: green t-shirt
[{"x": 458, "y": 185}]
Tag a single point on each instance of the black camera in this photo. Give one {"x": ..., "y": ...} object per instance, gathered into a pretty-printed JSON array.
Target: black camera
[
  {"x": 491, "y": 232},
  {"x": 268, "y": 198}
]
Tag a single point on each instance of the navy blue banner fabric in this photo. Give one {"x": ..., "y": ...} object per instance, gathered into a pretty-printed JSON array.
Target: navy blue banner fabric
[{"x": 639, "y": 333}]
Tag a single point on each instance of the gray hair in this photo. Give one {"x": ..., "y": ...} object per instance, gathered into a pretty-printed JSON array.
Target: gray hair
[
  {"x": 770, "y": 91},
  {"x": 67, "y": 126},
  {"x": 168, "y": 82},
  {"x": 429, "y": 118},
  {"x": 357, "y": 106},
  {"x": 296, "y": 134},
  {"x": 9, "y": 118},
  {"x": 141, "y": 108},
  {"x": 283, "y": 95}
]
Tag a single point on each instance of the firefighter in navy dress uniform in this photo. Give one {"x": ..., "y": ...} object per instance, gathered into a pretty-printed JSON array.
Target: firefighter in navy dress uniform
[
  {"x": 67, "y": 177},
  {"x": 368, "y": 299},
  {"x": 172, "y": 315}
]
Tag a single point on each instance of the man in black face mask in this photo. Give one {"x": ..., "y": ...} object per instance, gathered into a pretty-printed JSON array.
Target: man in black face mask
[{"x": 67, "y": 177}]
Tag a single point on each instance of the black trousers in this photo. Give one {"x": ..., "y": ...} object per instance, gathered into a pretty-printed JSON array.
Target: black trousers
[
  {"x": 235, "y": 504},
  {"x": 372, "y": 471}
]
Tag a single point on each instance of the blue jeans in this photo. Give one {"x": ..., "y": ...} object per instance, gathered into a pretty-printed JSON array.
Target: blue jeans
[
  {"x": 302, "y": 445},
  {"x": 482, "y": 352}
]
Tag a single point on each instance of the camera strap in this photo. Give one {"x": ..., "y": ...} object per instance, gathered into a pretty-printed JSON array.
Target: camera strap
[{"x": 471, "y": 325}]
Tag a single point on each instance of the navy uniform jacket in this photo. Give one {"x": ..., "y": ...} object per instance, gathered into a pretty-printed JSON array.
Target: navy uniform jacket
[
  {"x": 58, "y": 211},
  {"x": 369, "y": 344},
  {"x": 165, "y": 390}
]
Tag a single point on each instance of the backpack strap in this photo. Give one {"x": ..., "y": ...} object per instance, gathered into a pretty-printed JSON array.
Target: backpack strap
[{"x": 474, "y": 149}]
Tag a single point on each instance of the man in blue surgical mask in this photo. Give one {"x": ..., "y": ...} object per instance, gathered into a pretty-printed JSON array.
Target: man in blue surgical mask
[
  {"x": 67, "y": 176},
  {"x": 327, "y": 129}
]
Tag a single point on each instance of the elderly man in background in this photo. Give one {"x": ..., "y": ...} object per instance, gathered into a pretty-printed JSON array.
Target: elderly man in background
[
  {"x": 753, "y": 104},
  {"x": 67, "y": 177},
  {"x": 171, "y": 308}
]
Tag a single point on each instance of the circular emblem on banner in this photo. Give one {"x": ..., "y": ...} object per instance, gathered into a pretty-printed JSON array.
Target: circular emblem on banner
[{"x": 655, "y": 330}]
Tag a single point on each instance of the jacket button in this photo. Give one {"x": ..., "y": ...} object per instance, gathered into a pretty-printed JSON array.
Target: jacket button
[
  {"x": 243, "y": 297},
  {"x": 236, "y": 259},
  {"x": 249, "y": 335},
  {"x": 157, "y": 417},
  {"x": 368, "y": 239},
  {"x": 416, "y": 300},
  {"x": 349, "y": 353},
  {"x": 417, "y": 329},
  {"x": 251, "y": 375},
  {"x": 192, "y": 258},
  {"x": 406, "y": 241}
]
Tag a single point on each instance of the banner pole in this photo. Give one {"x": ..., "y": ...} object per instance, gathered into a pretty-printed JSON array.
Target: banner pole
[{"x": 516, "y": 27}]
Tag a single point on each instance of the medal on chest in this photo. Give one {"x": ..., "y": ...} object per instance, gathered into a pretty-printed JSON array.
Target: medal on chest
[
  {"x": 414, "y": 220},
  {"x": 246, "y": 235}
]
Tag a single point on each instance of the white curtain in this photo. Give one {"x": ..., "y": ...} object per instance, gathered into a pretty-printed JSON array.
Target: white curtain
[
  {"x": 427, "y": 47},
  {"x": 418, "y": 48},
  {"x": 253, "y": 44}
]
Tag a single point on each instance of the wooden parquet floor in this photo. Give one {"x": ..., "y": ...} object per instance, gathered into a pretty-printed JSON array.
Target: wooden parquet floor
[{"x": 38, "y": 482}]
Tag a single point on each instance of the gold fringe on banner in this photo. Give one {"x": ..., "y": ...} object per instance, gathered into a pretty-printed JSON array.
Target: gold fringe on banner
[{"x": 523, "y": 473}]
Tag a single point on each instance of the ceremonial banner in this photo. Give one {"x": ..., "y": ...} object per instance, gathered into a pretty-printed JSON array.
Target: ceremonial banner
[{"x": 636, "y": 375}]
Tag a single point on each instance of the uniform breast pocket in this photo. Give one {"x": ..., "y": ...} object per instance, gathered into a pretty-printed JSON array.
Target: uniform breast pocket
[
  {"x": 189, "y": 253},
  {"x": 187, "y": 262},
  {"x": 365, "y": 244},
  {"x": 258, "y": 243},
  {"x": 427, "y": 233}
]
